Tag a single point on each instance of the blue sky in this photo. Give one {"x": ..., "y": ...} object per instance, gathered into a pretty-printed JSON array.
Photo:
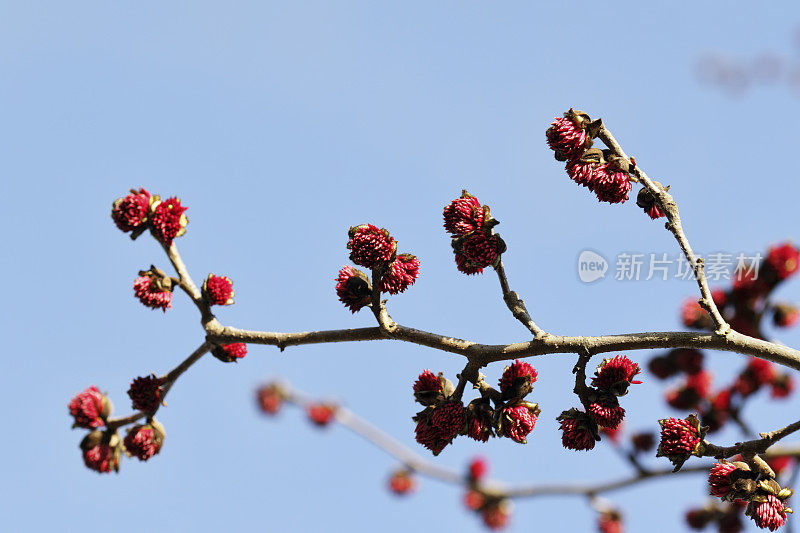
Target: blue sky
[{"x": 281, "y": 125}]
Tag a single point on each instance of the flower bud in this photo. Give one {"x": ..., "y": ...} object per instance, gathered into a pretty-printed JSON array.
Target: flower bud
[
  {"x": 101, "y": 451},
  {"x": 218, "y": 290},
  {"x": 90, "y": 408},
  {"x": 144, "y": 441}
]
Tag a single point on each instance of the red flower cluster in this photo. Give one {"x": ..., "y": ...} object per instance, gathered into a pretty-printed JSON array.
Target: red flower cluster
[
  {"x": 567, "y": 136},
  {"x": 784, "y": 260},
  {"x": 167, "y": 220},
  {"x": 154, "y": 289},
  {"x": 270, "y": 398},
  {"x": 218, "y": 290},
  {"x": 90, "y": 408},
  {"x": 101, "y": 451},
  {"x": 680, "y": 438},
  {"x": 518, "y": 420},
  {"x": 610, "y": 522},
  {"x": 477, "y": 469},
  {"x": 144, "y": 441},
  {"x": 517, "y": 380},
  {"x": 145, "y": 393},
  {"x": 130, "y": 212},
  {"x": 401, "y": 274},
  {"x": 353, "y": 288},
  {"x": 474, "y": 243},
  {"x": 719, "y": 479},
  {"x": 769, "y": 514},
  {"x": 607, "y": 412},
  {"x": 578, "y": 430},
  {"x": 402, "y": 482},
  {"x": 320, "y": 414},
  {"x": 370, "y": 245},
  {"x": 616, "y": 375},
  {"x": 230, "y": 353}
]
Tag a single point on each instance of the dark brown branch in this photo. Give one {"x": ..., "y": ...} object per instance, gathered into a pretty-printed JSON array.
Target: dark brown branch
[{"x": 751, "y": 447}]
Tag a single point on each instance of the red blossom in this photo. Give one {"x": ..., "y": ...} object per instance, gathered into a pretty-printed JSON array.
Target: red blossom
[
  {"x": 517, "y": 421},
  {"x": 578, "y": 430},
  {"x": 168, "y": 220},
  {"x": 517, "y": 379},
  {"x": 611, "y": 185},
  {"x": 582, "y": 173},
  {"x": 143, "y": 442},
  {"x": 448, "y": 419},
  {"x": 480, "y": 418},
  {"x": 353, "y": 288},
  {"x": 770, "y": 514},
  {"x": 781, "y": 386},
  {"x": 473, "y": 500},
  {"x": 90, "y": 408},
  {"x": 478, "y": 468},
  {"x": 402, "y": 482},
  {"x": 786, "y": 316},
  {"x": 427, "y": 382},
  {"x": 643, "y": 442},
  {"x": 688, "y": 360},
  {"x": 130, "y": 212},
  {"x": 230, "y": 353},
  {"x": 370, "y": 245},
  {"x": 153, "y": 290},
  {"x": 607, "y": 412},
  {"x": 145, "y": 393},
  {"x": 784, "y": 260},
  {"x": 616, "y": 374},
  {"x": 101, "y": 451},
  {"x": 610, "y": 522},
  {"x": 694, "y": 316},
  {"x": 567, "y": 135},
  {"x": 402, "y": 273},
  {"x": 218, "y": 290},
  {"x": 463, "y": 215},
  {"x": 680, "y": 438},
  {"x": 719, "y": 479},
  {"x": 320, "y": 414},
  {"x": 496, "y": 515},
  {"x": 270, "y": 398},
  {"x": 477, "y": 251}
]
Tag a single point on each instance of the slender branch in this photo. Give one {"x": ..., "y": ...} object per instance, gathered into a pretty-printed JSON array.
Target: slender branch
[
  {"x": 385, "y": 322},
  {"x": 186, "y": 283},
  {"x": 485, "y": 353},
  {"x": 167, "y": 380},
  {"x": 751, "y": 447},
  {"x": 516, "y": 305},
  {"x": 674, "y": 225}
]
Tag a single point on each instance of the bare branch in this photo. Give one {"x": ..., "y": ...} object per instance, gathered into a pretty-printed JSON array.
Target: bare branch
[{"x": 516, "y": 305}]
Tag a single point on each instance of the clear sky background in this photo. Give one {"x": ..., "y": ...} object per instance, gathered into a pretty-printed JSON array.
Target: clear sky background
[{"x": 281, "y": 125}]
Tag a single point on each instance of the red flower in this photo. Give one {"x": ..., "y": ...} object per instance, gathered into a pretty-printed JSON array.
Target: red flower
[
  {"x": 643, "y": 442},
  {"x": 785, "y": 315},
  {"x": 615, "y": 375},
  {"x": 270, "y": 398},
  {"x": 143, "y": 442},
  {"x": 463, "y": 215},
  {"x": 145, "y": 393},
  {"x": 720, "y": 297},
  {"x": 353, "y": 288},
  {"x": 428, "y": 382},
  {"x": 478, "y": 469},
  {"x": 610, "y": 522},
  {"x": 698, "y": 519},
  {"x": 784, "y": 260},
  {"x": 679, "y": 439},
  {"x": 101, "y": 451},
  {"x": 770, "y": 514},
  {"x": 495, "y": 515},
  {"x": 611, "y": 185},
  {"x": 607, "y": 412},
  {"x": 448, "y": 419},
  {"x": 429, "y": 437},
  {"x": 694, "y": 316},
  {"x": 779, "y": 464},
  {"x": 154, "y": 289},
  {"x": 662, "y": 367},
  {"x": 402, "y": 482},
  {"x": 168, "y": 220},
  {"x": 130, "y": 212},
  {"x": 230, "y": 353},
  {"x": 370, "y": 245},
  {"x": 480, "y": 418},
  {"x": 218, "y": 290},
  {"x": 757, "y": 374},
  {"x": 477, "y": 251},
  {"x": 474, "y": 500},
  {"x": 567, "y": 136},
  {"x": 578, "y": 430},
  {"x": 90, "y": 408},
  {"x": 696, "y": 388},
  {"x": 719, "y": 479},
  {"x": 517, "y": 379},
  {"x": 518, "y": 420},
  {"x": 782, "y": 386},
  {"x": 582, "y": 172},
  {"x": 688, "y": 360},
  {"x": 648, "y": 203},
  {"x": 613, "y": 434},
  {"x": 320, "y": 414},
  {"x": 402, "y": 273}
]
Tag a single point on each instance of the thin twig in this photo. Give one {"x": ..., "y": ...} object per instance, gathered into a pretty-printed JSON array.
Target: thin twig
[{"x": 516, "y": 305}]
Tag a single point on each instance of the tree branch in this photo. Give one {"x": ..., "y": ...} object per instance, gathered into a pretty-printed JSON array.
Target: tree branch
[{"x": 516, "y": 305}]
